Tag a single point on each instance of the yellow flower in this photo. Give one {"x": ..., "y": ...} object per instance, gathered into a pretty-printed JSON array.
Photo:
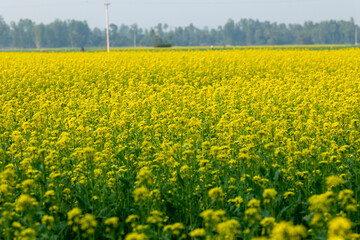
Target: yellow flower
[
  {"x": 238, "y": 200},
  {"x": 88, "y": 223},
  {"x": 63, "y": 140},
  {"x": 334, "y": 181},
  {"x": 74, "y": 215},
  {"x": 113, "y": 221},
  {"x": 267, "y": 222},
  {"x": 136, "y": 236},
  {"x": 50, "y": 194},
  {"x": 287, "y": 231},
  {"x": 175, "y": 228},
  {"x": 287, "y": 194},
  {"x": 211, "y": 216},
  {"x": 16, "y": 225},
  {"x": 54, "y": 209},
  {"x": 141, "y": 228},
  {"x": 141, "y": 194},
  {"x": 317, "y": 220},
  {"x": 28, "y": 184},
  {"x": 228, "y": 229},
  {"x": 25, "y": 202},
  {"x": 48, "y": 221},
  {"x": 28, "y": 234},
  {"x": 322, "y": 202},
  {"x": 254, "y": 203},
  {"x": 74, "y": 212},
  {"x": 339, "y": 228},
  {"x": 347, "y": 200},
  {"x": 156, "y": 217},
  {"x": 198, "y": 232},
  {"x": 144, "y": 176},
  {"x": 132, "y": 218},
  {"x": 252, "y": 215},
  {"x": 216, "y": 193},
  {"x": 4, "y": 189},
  {"x": 269, "y": 194}
]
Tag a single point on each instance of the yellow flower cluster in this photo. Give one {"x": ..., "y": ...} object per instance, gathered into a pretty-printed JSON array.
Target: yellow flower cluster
[
  {"x": 25, "y": 203},
  {"x": 287, "y": 231}
]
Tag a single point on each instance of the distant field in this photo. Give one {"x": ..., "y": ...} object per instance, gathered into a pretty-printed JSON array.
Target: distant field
[
  {"x": 180, "y": 144},
  {"x": 202, "y": 48}
]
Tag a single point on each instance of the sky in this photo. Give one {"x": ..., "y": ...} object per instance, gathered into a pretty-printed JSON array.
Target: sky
[{"x": 202, "y": 13}]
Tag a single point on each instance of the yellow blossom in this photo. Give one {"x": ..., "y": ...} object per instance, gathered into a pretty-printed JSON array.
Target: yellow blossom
[
  {"x": 333, "y": 181},
  {"x": 136, "y": 236},
  {"x": 238, "y": 200},
  {"x": 113, "y": 221},
  {"x": 198, "y": 232},
  {"x": 321, "y": 202},
  {"x": 141, "y": 194},
  {"x": 287, "y": 231},
  {"x": 144, "y": 176},
  {"x": 24, "y": 203},
  {"x": 228, "y": 229},
  {"x": 339, "y": 228},
  {"x": 28, "y": 234},
  {"x": 216, "y": 193},
  {"x": 48, "y": 221}
]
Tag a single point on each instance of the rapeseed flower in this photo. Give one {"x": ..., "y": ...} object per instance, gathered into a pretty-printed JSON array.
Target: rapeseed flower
[
  {"x": 238, "y": 200},
  {"x": 269, "y": 194},
  {"x": 322, "y": 202},
  {"x": 287, "y": 231},
  {"x": 25, "y": 203},
  {"x": 339, "y": 228},
  {"x": 333, "y": 181},
  {"x": 216, "y": 193},
  {"x": 74, "y": 216},
  {"x": 144, "y": 176},
  {"x": 228, "y": 229},
  {"x": 175, "y": 228},
  {"x": 141, "y": 194},
  {"x": 28, "y": 234},
  {"x": 136, "y": 236},
  {"x": 198, "y": 232},
  {"x": 88, "y": 223}
]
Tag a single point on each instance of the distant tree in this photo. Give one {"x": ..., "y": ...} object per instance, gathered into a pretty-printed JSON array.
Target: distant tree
[
  {"x": 39, "y": 35},
  {"x": 22, "y": 33},
  {"x": 146, "y": 39},
  {"x": 125, "y": 35},
  {"x": 229, "y": 32},
  {"x": 27, "y": 34},
  {"x": 134, "y": 30},
  {"x": 97, "y": 38},
  {"x": 57, "y": 34},
  {"x": 4, "y": 34},
  {"x": 79, "y": 33},
  {"x": 156, "y": 38}
]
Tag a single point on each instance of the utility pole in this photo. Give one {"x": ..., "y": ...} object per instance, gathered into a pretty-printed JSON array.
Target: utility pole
[
  {"x": 356, "y": 35},
  {"x": 134, "y": 39},
  {"x": 107, "y": 25}
]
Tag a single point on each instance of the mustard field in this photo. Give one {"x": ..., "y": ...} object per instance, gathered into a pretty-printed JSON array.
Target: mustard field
[{"x": 235, "y": 144}]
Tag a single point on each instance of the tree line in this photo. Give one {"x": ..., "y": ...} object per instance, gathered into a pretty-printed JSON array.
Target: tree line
[{"x": 72, "y": 33}]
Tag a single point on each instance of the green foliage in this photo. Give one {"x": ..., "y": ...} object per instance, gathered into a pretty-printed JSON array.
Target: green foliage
[{"x": 245, "y": 32}]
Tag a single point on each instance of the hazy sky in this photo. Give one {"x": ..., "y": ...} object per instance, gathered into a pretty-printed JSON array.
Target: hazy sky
[{"x": 210, "y": 13}]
